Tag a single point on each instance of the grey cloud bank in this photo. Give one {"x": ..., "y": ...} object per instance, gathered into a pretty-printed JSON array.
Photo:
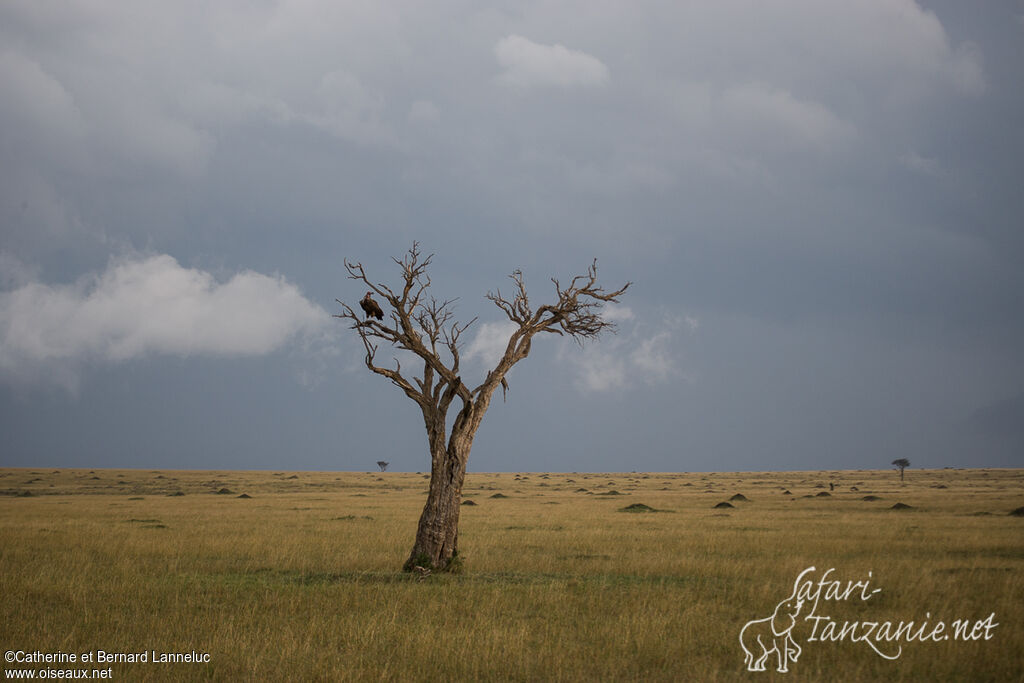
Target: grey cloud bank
[{"x": 830, "y": 188}]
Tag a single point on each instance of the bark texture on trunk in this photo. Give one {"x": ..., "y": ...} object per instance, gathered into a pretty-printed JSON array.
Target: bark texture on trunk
[{"x": 437, "y": 536}]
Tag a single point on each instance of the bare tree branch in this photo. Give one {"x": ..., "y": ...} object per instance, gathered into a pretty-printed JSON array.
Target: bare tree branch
[
  {"x": 576, "y": 312},
  {"x": 417, "y": 325},
  {"x": 426, "y": 327}
]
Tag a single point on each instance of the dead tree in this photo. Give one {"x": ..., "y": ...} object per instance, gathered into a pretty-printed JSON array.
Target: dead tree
[
  {"x": 425, "y": 327},
  {"x": 383, "y": 465}
]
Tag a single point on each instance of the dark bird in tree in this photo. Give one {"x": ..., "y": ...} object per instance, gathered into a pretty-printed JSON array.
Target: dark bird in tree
[
  {"x": 371, "y": 308},
  {"x": 425, "y": 327}
]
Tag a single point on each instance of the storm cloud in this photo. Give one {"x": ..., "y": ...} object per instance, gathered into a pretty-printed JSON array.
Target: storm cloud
[{"x": 830, "y": 188}]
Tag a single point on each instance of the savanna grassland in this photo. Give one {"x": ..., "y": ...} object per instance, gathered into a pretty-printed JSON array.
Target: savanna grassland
[{"x": 300, "y": 580}]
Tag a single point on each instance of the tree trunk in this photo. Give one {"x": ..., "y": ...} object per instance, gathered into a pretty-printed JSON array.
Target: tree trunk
[{"x": 437, "y": 536}]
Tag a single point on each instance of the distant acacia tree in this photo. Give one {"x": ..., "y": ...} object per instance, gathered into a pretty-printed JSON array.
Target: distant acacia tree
[
  {"x": 383, "y": 465},
  {"x": 901, "y": 464},
  {"x": 425, "y": 326}
]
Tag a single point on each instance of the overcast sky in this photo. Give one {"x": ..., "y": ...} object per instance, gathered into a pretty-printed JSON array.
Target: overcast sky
[{"x": 820, "y": 202}]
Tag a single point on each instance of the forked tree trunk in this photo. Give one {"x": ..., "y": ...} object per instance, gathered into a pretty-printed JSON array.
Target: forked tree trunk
[
  {"x": 437, "y": 536},
  {"x": 424, "y": 327}
]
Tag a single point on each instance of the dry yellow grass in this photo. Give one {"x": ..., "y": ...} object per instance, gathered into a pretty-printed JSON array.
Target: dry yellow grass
[{"x": 300, "y": 581}]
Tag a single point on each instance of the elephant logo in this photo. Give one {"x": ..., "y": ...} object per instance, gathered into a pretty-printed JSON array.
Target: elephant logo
[{"x": 761, "y": 637}]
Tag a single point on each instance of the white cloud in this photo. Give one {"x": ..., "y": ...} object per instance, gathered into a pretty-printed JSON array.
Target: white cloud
[
  {"x": 67, "y": 123},
  {"x": 147, "y": 306},
  {"x": 617, "y": 313},
  {"x": 776, "y": 111},
  {"x": 351, "y": 110},
  {"x": 600, "y": 371},
  {"x": 343, "y": 107},
  {"x": 616, "y": 361},
  {"x": 966, "y": 69},
  {"x": 619, "y": 361},
  {"x": 14, "y": 272},
  {"x": 527, "y": 63},
  {"x": 924, "y": 165},
  {"x": 35, "y": 99},
  {"x": 653, "y": 357},
  {"x": 145, "y": 133},
  {"x": 490, "y": 342},
  {"x": 424, "y": 111}
]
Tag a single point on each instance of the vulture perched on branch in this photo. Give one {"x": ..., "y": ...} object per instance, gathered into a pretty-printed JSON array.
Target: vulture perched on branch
[{"x": 370, "y": 307}]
